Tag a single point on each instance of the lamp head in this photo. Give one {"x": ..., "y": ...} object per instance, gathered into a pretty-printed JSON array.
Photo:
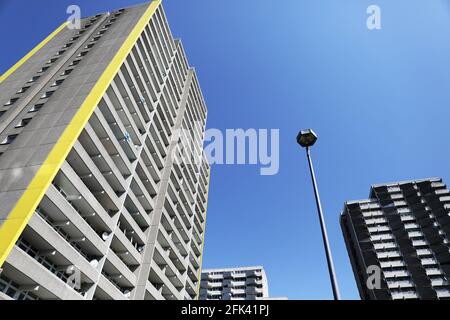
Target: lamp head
[{"x": 306, "y": 138}]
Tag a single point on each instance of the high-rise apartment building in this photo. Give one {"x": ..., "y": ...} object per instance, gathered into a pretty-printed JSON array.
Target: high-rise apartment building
[
  {"x": 398, "y": 240},
  {"x": 247, "y": 283},
  {"x": 98, "y": 199}
]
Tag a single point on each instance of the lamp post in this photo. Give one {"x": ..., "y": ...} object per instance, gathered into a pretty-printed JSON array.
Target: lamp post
[{"x": 306, "y": 139}]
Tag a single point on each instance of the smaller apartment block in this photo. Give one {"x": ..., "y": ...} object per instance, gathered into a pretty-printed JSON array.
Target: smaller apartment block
[
  {"x": 402, "y": 231},
  {"x": 248, "y": 283}
]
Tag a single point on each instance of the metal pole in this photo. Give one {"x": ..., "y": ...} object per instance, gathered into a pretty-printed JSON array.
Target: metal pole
[{"x": 334, "y": 284}]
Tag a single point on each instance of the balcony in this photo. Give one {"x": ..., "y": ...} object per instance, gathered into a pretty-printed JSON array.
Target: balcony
[
  {"x": 32, "y": 277},
  {"x": 257, "y": 274},
  {"x": 253, "y": 282},
  {"x": 253, "y": 291}
]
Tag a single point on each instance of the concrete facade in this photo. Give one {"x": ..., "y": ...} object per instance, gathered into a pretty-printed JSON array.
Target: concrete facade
[
  {"x": 245, "y": 283},
  {"x": 398, "y": 240},
  {"x": 117, "y": 212}
]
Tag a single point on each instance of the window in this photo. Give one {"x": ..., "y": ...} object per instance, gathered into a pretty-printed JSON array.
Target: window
[
  {"x": 11, "y": 289},
  {"x": 36, "y": 107},
  {"x": 11, "y": 101},
  {"x": 52, "y": 60},
  {"x": 43, "y": 69},
  {"x": 23, "y": 90},
  {"x": 23, "y": 123},
  {"x": 75, "y": 62},
  {"x": 47, "y": 94},
  {"x": 33, "y": 79},
  {"x": 57, "y": 82},
  {"x": 82, "y": 54},
  {"x": 66, "y": 72},
  {"x": 9, "y": 139}
]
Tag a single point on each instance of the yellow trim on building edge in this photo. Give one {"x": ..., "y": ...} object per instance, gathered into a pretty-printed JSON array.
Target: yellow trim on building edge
[
  {"x": 32, "y": 52},
  {"x": 203, "y": 241},
  {"x": 19, "y": 217}
]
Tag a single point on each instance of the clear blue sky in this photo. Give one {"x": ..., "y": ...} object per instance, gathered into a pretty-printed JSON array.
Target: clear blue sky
[{"x": 379, "y": 100}]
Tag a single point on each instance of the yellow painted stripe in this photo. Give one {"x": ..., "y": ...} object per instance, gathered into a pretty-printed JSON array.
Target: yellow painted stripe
[
  {"x": 32, "y": 52},
  {"x": 204, "y": 232},
  {"x": 25, "y": 207}
]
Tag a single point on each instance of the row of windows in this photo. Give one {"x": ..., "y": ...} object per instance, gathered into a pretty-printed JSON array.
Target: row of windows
[
  {"x": 182, "y": 201},
  {"x": 54, "y": 86},
  {"x": 16, "y": 291},
  {"x": 22, "y": 123},
  {"x": 47, "y": 66}
]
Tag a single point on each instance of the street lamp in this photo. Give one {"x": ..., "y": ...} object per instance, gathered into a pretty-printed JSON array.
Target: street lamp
[{"x": 306, "y": 139}]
